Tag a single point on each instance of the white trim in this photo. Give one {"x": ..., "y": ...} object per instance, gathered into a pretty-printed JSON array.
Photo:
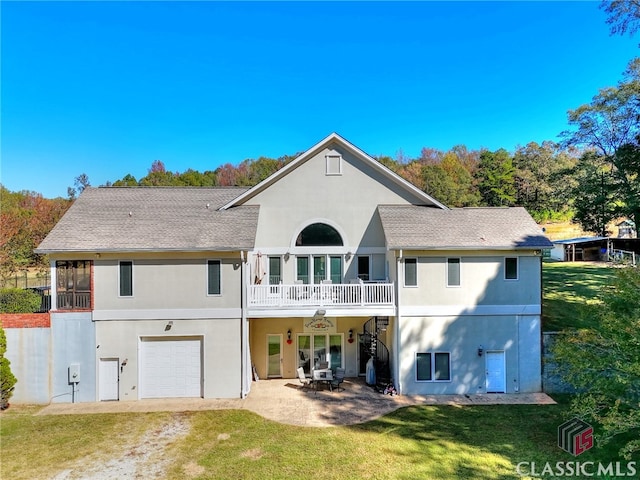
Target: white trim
[
  {"x": 334, "y": 137},
  {"x": 504, "y": 370},
  {"x": 446, "y": 263},
  {"x": 120, "y": 262},
  {"x": 404, "y": 273},
  {"x": 280, "y": 359},
  {"x": 329, "y": 164},
  {"x": 381, "y": 311},
  {"x": 207, "y": 277},
  {"x": 433, "y": 367},
  {"x": 167, "y": 314},
  {"x": 312, "y": 221},
  {"x": 504, "y": 264},
  {"x": 467, "y": 310}
]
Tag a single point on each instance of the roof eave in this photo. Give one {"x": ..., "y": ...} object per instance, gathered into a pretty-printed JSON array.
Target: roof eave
[
  {"x": 470, "y": 248},
  {"x": 144, "y": 250}
]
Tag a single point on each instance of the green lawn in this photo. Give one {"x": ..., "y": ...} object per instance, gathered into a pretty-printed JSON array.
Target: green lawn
[
  {"x": 430, "y": 442},
  {"x": 567, "y": 289}
]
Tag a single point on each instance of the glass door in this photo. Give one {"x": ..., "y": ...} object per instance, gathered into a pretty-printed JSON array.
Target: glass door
[
  {"x": 335, "y": 263},
  {"x": 319, "y": 268},
  {"x": 312, "y": 350},
  {"x": 274, "y": 355}
]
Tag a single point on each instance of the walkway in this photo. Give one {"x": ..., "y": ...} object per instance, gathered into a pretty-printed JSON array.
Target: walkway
[{"x": 285, "y": 401}]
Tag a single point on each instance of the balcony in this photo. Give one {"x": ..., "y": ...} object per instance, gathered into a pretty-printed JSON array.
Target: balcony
[
  {"x": 73, "y": 300},
  {"x": 320, "y": 295}
]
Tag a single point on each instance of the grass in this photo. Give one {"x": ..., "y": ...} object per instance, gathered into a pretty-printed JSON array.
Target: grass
[
  {"x": 33, "y": 446},
  {"x": 419, "y": 442},
  {"x": 568, "y": 289}
]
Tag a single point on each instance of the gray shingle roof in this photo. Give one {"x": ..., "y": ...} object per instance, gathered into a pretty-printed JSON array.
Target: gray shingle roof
[
  {"x": 153, "y": 219},
  {"x": 424, "y": 228}
]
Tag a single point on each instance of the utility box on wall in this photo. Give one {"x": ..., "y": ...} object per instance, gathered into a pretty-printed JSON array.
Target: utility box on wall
[{"x": 74, "y": 373}]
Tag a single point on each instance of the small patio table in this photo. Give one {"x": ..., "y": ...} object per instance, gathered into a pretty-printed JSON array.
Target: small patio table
[{"x": 323, "y": 376}]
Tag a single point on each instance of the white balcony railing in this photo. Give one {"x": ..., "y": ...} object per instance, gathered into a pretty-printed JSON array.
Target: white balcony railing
[{"x": 357, "y": 294}]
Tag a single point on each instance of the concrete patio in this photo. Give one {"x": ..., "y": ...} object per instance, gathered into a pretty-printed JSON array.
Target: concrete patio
[{"x": 285, "y": 401}]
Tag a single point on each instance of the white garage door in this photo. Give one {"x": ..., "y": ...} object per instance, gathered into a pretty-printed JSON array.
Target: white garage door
[{"x": 170, "y": 367}]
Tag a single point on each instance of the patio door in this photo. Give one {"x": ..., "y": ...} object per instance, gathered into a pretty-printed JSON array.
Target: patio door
[
  {"x": 317, "y": 348},
  {"x": 274, "y": 355}
]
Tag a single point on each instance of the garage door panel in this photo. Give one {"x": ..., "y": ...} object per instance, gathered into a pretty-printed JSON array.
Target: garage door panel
[{"x": 171, "y": 367}]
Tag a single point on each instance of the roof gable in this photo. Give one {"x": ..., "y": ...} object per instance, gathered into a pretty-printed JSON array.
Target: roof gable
[{"x": 326, "y": 143}]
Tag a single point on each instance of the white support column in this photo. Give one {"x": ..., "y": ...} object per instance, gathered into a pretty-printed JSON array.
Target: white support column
[{"x": 54, "y": 283}]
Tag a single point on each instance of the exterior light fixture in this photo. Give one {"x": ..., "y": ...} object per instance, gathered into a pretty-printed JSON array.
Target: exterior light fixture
[
  {"x": 321, "y": 312},
  {"x": 350, "y": 340},
  {"x": 168, "y": 326},
  {"x": 289, "y": 337},
  {"x": 480, "y": 350}
]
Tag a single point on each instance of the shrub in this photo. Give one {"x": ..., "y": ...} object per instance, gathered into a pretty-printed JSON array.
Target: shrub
[
  {"x": 16, "y": 300},
  {"x": 7, "y": 379}
]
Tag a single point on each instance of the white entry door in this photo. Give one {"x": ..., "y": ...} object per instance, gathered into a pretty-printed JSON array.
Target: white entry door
[
  {"x": 274, "y": 355},
  {"x": 109, "y": 376},
  {"x": 496, "y": 381}
]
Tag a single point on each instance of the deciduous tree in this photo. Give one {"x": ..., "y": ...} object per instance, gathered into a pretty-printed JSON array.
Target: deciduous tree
[{"x": 604, "y": 363}]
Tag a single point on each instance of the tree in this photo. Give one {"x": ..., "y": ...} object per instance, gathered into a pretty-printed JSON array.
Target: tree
[
  {"x": 80, "y": 183},
  {"x": 25, "y": 219},
  {"x": 610, "y": 126},
  {"x": 496, "y": 178},
  {"x": 624, "y": 15},
  {"x": 7, "y": 379},
  {"x": 541, "y": 178},
  {"x": 450, "y": 182},
  {"x": 604, "y": 363},
  {"x": 595, "y": 193}
]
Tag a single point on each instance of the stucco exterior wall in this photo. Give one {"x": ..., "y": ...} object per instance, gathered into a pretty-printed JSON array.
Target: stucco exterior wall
[
  {"x": 29, "y": 351},
  {"x": 261, "y": 327},
  {"x": 308, "y": 194},
  {"x": 167, "y": 281},
  {"x": 517, "y": 336},
  {"x": 74, "y": 342},
  {"x": 482, "y": 280},
  {"x": 221, "y": 345}
]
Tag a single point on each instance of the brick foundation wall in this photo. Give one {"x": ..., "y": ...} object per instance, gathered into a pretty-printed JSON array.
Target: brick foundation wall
[{"x": 25, "y": 320}]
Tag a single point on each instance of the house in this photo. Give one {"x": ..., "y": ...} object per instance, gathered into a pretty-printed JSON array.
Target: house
[
  {"x": 195, "y": 292},
  {"x": 627, "y": 229}
]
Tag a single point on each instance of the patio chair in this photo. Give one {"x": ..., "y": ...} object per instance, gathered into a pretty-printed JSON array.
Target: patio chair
[
  {"x": 306, "y": 382},
  {"x": 338, "y": 378}
]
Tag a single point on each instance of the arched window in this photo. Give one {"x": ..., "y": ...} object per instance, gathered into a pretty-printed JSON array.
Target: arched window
[{"x": 319, "y": 235}]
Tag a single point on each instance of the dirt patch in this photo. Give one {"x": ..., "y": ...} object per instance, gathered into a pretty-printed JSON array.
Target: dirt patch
[
  {"x": 253, "y": 454},
  {"x": 142, "y": 460}
]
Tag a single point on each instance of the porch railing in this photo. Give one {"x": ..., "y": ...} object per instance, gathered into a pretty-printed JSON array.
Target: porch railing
[
  {"x": 73, "y": 301},
  {"x": 358, "y": 294}
]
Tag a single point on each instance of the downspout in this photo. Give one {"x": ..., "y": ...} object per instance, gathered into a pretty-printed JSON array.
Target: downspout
[
  {"x": 396, "y": 333},
  {"x": 244, "y": 347}
]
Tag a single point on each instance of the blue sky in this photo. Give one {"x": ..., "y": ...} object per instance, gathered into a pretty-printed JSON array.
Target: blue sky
[{"x": 106, "y": 88}]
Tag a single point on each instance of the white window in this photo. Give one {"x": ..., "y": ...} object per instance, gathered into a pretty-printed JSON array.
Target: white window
[
  {"x": 334, "y": 165},
  {"x": 433, "y": 367},
  {"x": 410, "y": 272},
  {"x": 511, "y": 268},
  {"x": 453, "y": 272},
  {"x": 214, "y": 279}
]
